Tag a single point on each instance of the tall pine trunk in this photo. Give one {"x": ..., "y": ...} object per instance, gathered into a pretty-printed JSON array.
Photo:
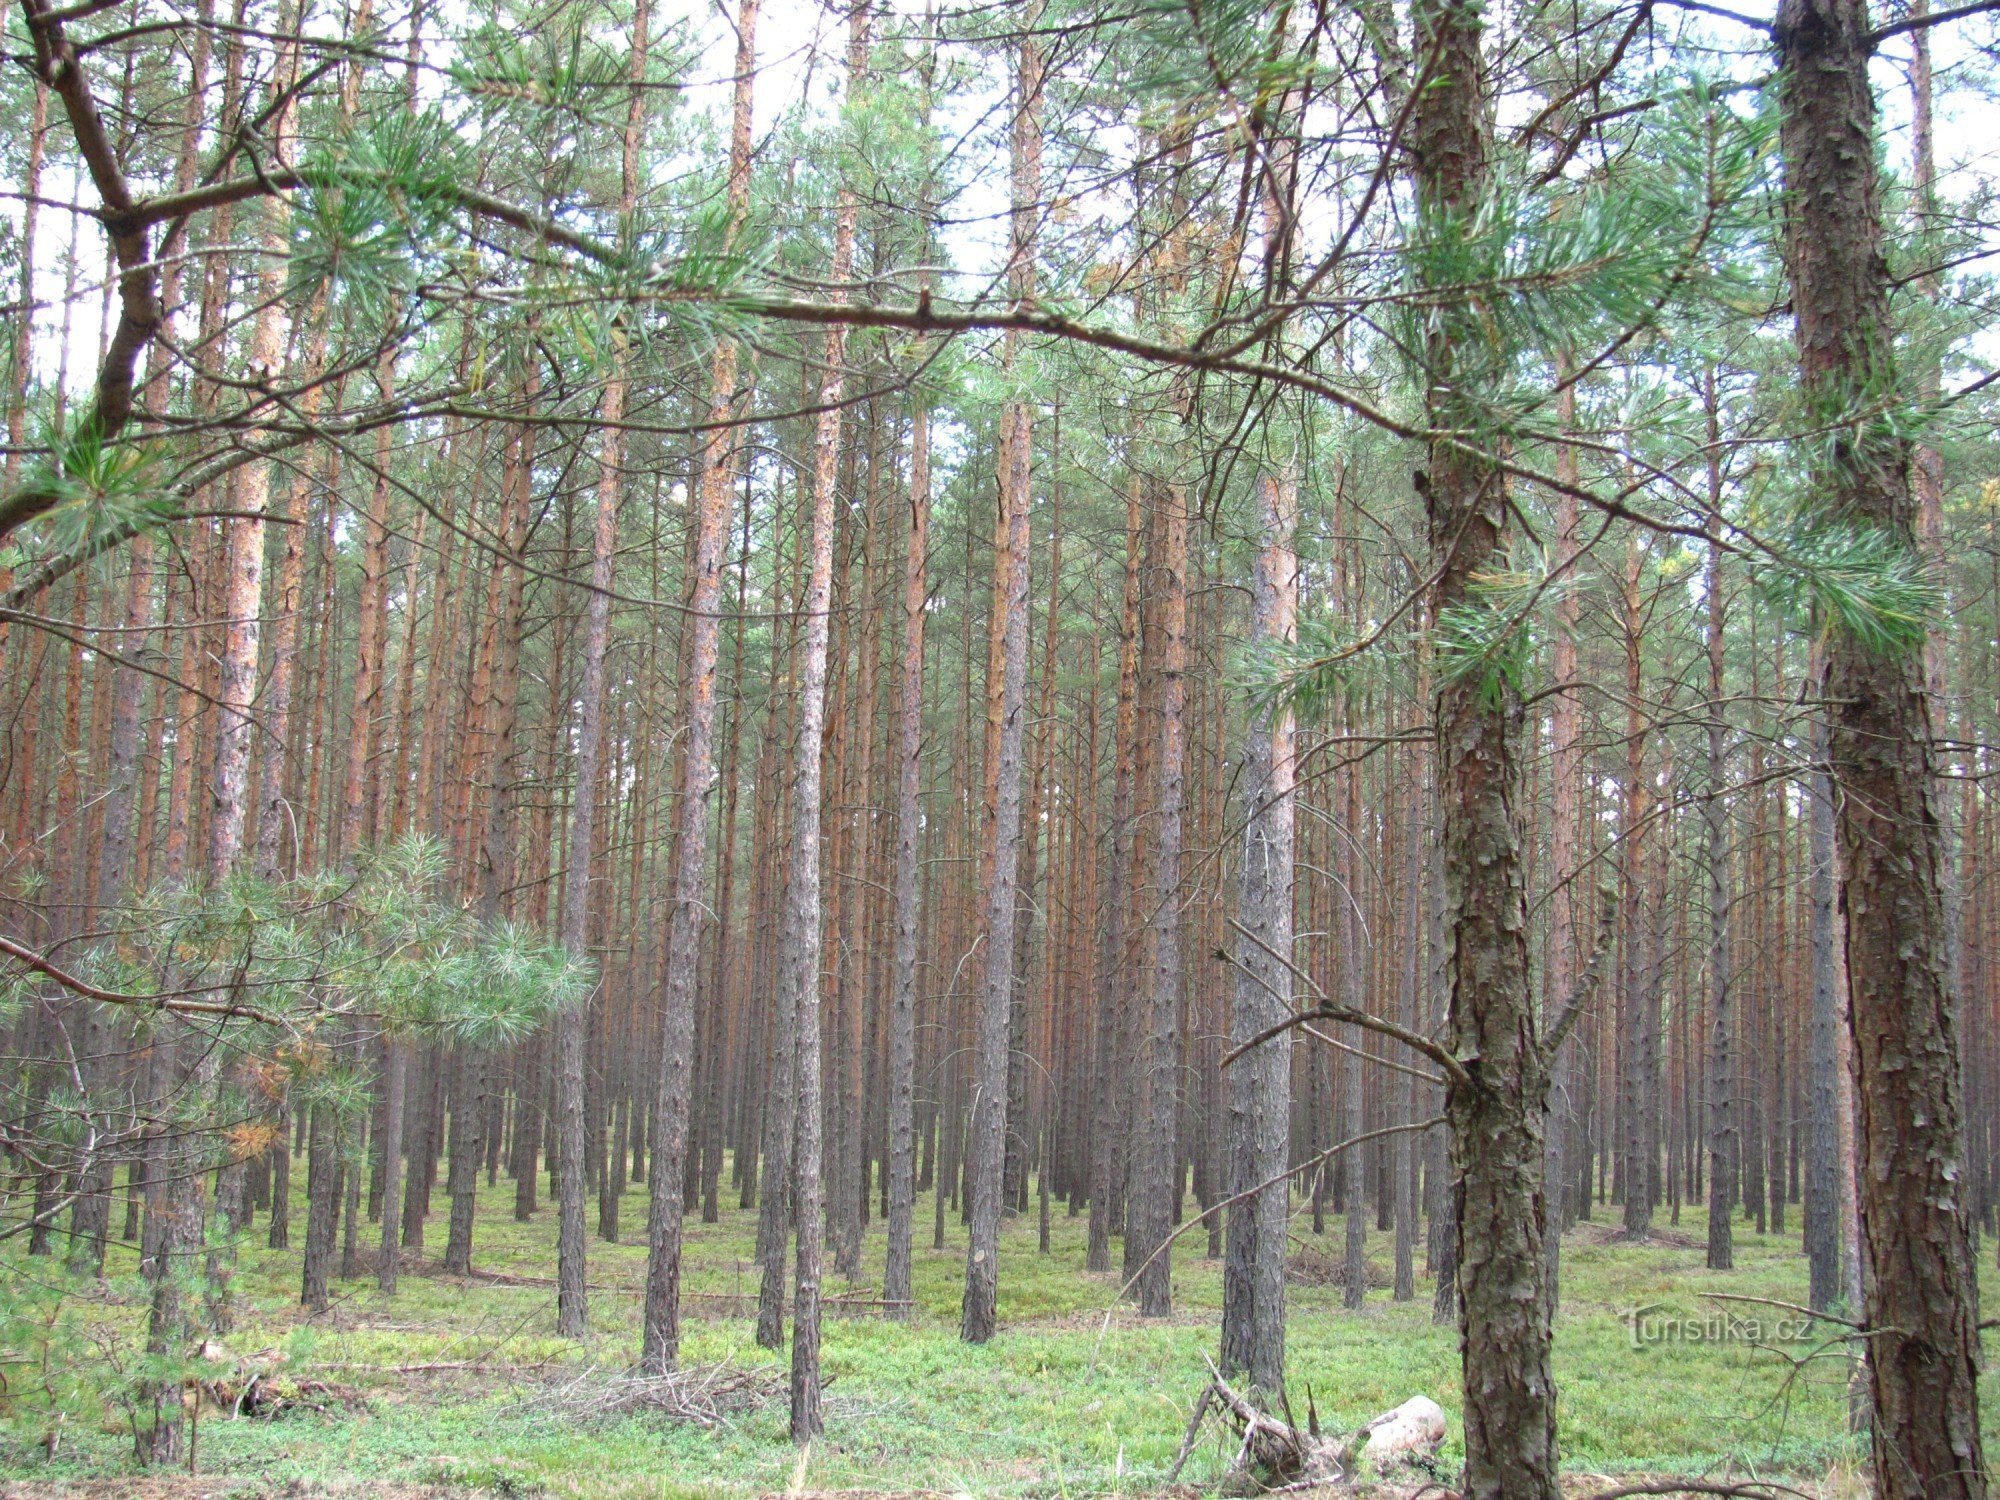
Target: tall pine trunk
[
  {"x": 800, "y": 959},
  {"x": 1565, "y": 842},
  {"x": 909, "y": 833},
  {"x": 1006, "y": 696},
  {"x": 1156, "y": 1157},
  {"x": 1114, "y": 988},
  {"x": 1260, "y": 1100},
  {"x": 1495, "y": 1114},
  {"x": 1921, "y": 1301},
  {"x": 1723, "y": 1140},
  {"x": 660, "y": 1334}
]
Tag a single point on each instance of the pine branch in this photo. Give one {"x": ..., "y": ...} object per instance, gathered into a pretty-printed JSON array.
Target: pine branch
[
  {"x": 139, "y": 314},
  {"x": 177, "y": 1004}
]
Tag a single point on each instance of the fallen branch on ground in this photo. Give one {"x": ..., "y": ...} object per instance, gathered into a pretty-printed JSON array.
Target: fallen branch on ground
[{"x": 708, "y": 1396}]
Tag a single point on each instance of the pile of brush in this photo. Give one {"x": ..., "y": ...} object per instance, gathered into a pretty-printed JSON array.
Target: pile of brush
[
  {"x": 708, "y": 1396},
  {"x": 1276, "y": 1453},
  {"x": 256, "y": 1385}
]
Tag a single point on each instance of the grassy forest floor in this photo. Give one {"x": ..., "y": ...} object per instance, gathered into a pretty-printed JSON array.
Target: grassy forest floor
[{"x": 1060, "y": 1403}]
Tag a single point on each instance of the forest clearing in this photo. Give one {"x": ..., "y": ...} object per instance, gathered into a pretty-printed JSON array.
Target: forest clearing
[
  {"x": 999, "y": 747},
  {"x": 460, "y": 1385}
]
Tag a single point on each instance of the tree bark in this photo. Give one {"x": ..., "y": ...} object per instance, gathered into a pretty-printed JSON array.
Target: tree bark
[
  {"x": 1823, "y": 1063},
  {"x": 1566, "y": 851},
  {"x": 909, "y": 832},
  {"x": 798, "y": 976},
  {"x": 1156, "y": 1154},
  {"x": 661, "y": 1331},
  {"x": 775, "y": 1208},
  {"x": 572, "y": 1312},
  {"x": 322, "y": 1207},
  {"x": 182, "y": 1201},
  {"x": 1723, "y": 1140},
  {"x": 395, "y": 1090},
  {"x": 371, "y": 632},
  {"x": 1638, "y": 1081},
  {"x": 1007, "y": 671},
  {"x": 1349, "y": 960},
  {"x": 1260, "y": 1102},
  {"x": 22, "y": 360},
  {"x": 1496, "y": 1113},
  {"x": 1113, "y": 986},
  {"x": 1920, "y": 1308}
]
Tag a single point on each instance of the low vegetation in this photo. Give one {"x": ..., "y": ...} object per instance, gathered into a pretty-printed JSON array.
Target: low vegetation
[{"x": 458, "y": 1382}]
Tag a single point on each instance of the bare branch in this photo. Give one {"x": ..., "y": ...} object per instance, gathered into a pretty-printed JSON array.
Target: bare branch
[
  {"x": 1327, "y": 1010},
  {"x": 1908, "y": 24},
  {"x": 1591, "y": 978}
]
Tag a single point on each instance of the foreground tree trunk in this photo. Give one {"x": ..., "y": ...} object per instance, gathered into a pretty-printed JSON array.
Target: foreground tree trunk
[
  {"x": 1350, "y": 965},
  {"x": 1114, "y": 988},
  {"x": 1721, "y": 1123},
  {"x": 1007, "y": 691},
  {"x": 1638, "y": 1074},
  {"x": 572, "y": 1314},
  {"x": 395, "y": 1089},
  {"x": 1260, "y": 1095},
  {"x": 1566, "y": 845},
  {"x": 1496, "y": 1110},
  {"x": 322, "y": 1207},
  {"x": 466, "y": 1150},
  {"x": 660, "y": 1334},
  {"x": 1823, "y": 1226},
  {"x": 798, "y": 976},
  {"x": 182, "y": 1200},
  {"x": 1155, "y": 1147},
  {"x": 1920, "y": 1312},
  {"x": 909, "y": 831}
]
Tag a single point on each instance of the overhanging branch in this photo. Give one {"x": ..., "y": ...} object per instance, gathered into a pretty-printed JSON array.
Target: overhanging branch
[{"x": 178, "y": 1005}]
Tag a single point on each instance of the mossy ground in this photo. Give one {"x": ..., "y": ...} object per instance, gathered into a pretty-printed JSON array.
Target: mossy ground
[{"x": 1066, "y": 1400}]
